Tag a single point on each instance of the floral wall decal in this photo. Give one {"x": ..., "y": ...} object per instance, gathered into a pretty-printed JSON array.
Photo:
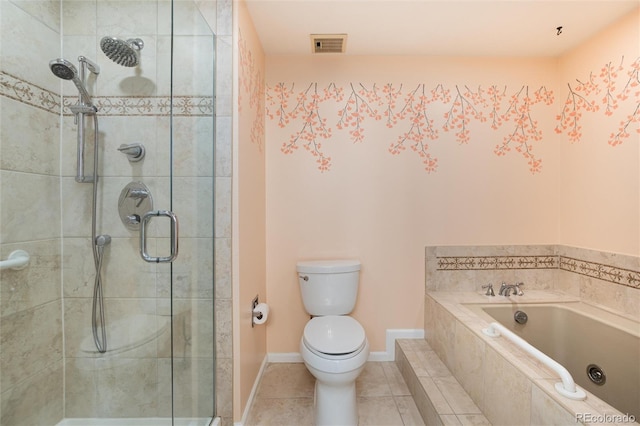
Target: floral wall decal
[
  {"x": 525, "y": 129},
  {"x": 359, "y": 104},
  {"x": 462, "y": 110},
  {"x": 421, "y": 126},
  {"x": 407, "y": 110},
  {"x": 314, "y": 126},
  {"x": 422, "y": 113},
  {"x": 630, "y": 88},
  {"x": 251, "y": 82},
  {"x": 603, "y": 90}
]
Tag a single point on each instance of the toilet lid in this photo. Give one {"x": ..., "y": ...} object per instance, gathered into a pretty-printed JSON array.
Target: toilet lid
[{"x": 334, "y": 334}]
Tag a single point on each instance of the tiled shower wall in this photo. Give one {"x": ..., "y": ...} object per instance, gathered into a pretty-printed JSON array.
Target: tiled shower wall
[
  {"x": 31, "y": 365},
  {"x": 607, "y": 279},
  {"x": 31, "y": 335}
]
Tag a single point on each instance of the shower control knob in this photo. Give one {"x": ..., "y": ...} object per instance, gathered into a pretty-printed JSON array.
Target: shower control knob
[
  {"x": 135, "y": 200},
  {"x": 133, "y": 219}
]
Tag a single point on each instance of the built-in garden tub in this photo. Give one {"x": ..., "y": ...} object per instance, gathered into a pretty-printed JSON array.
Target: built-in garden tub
[{"x": 599, "y": 349}]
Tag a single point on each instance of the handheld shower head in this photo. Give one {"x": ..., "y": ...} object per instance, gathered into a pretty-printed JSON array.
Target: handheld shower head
[
  {"x": 65, "y": 70},
  {"x": 125, "y": 53}
]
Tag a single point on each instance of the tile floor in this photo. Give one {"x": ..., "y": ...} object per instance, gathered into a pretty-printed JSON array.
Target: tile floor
[{"x": 285, "y": 397}]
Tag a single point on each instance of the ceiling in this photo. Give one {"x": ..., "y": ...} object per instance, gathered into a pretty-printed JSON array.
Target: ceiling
[{"x": 435, "y": 27}]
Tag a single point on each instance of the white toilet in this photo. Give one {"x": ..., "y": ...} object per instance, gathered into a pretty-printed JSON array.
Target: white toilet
[{"x": 333, "y": 346}]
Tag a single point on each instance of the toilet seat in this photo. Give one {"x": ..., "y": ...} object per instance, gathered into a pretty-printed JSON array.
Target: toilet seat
[{"x": 334, "y": 336}]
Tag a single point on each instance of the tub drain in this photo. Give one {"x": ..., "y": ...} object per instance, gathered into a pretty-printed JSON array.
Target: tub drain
[
  {"x": 596, "y": 375},
  {"x": 520, "y": 317}
]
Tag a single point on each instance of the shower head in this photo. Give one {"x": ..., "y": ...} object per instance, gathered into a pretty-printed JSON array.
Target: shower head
[
  {"x": 65, "y": 70},
  {"x": 122, "y": 52}
]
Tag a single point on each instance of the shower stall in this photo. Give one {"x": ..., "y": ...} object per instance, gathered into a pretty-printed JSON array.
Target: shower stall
[{"x": 107, "y": 182}]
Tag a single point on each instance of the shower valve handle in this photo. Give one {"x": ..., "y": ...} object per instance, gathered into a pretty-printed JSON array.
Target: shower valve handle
[
  {"x": 138, "y": 194},
  {"x": 134, "y": 151},
  {"x": 133, "y": 219}
]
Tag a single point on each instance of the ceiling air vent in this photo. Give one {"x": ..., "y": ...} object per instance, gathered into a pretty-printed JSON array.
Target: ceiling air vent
[{"x": 328, "y": 43}]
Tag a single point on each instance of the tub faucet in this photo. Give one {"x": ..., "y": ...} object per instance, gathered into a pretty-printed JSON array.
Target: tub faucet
[{"x": 505, "y": 289}]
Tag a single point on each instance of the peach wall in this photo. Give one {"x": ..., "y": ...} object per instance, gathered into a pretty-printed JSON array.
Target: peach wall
[
  {"x": 362, "y": 195},
  {"x": 600, "y": 181},
  {"x": 249, "y": 210},
  {"x": 384, "y": 208}
]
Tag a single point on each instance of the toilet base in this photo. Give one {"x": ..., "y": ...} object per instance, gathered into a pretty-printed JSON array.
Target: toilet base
[{"x": 335, "y": 405}]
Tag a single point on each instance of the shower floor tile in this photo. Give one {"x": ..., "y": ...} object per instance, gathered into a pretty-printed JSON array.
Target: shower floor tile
[{"x": 285, "y": 397}]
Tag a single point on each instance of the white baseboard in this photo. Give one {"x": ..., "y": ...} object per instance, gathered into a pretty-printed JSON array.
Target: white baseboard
[
  {"x": 388, "y": 355},
  {"x": 400, "y": 333},
  {"x": 254, "y": 390},
  {"x": 276, "y": 357}
]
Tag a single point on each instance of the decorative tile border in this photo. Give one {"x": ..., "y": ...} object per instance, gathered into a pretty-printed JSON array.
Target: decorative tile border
[
  {"x": 19, "y": 90},
  {"x": 448, "y": 263},
  {"x": 608, "y": 273},
  {"x": 612, "y": 274},
  {"x": 183, "y": 106}
]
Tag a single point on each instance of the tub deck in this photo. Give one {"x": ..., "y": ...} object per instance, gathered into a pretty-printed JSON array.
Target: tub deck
[{"x": 508, "y": 386}]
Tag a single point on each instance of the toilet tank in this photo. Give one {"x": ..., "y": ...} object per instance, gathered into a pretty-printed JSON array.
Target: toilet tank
[{"x": 329, "y": 287}]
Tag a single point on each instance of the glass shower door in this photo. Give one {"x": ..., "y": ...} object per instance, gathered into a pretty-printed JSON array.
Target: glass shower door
[
  {"x": 158, "y": 315},
  {"x": 192, "y": 195}
]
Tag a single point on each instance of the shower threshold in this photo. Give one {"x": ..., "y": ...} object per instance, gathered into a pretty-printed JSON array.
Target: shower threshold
[{"x": 144, "y": 421}]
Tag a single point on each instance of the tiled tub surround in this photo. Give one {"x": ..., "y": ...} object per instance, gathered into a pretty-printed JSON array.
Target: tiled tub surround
[
  {"x": 606, "y": 279},
  {"x": 492, "y": 371},
  {"x": 577, "y": 335},
  {"x": 508, "y": 386}
]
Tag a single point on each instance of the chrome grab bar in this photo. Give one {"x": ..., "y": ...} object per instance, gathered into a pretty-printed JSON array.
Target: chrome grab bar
[{"x": 143, "y": 236}]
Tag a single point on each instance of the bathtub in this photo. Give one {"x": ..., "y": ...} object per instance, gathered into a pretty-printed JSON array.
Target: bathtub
[
  {"x": 494, "y": 370},
  {"x": 600, "y": 350}
]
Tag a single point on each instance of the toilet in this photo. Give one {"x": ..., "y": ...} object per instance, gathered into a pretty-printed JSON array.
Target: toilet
[{"x": 334, "y": 346}]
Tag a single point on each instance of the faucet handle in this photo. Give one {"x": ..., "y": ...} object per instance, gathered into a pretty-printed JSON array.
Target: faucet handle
[
  {"x": 489, "y": 288},
  {"x": 518, "y": 290}
]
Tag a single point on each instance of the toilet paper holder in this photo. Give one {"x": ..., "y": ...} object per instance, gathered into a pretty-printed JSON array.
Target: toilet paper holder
[{"x": 255, "y": 315}]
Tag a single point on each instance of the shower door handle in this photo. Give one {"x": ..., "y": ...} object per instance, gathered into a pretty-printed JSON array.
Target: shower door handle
[{"x": 143, "y": 236}]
